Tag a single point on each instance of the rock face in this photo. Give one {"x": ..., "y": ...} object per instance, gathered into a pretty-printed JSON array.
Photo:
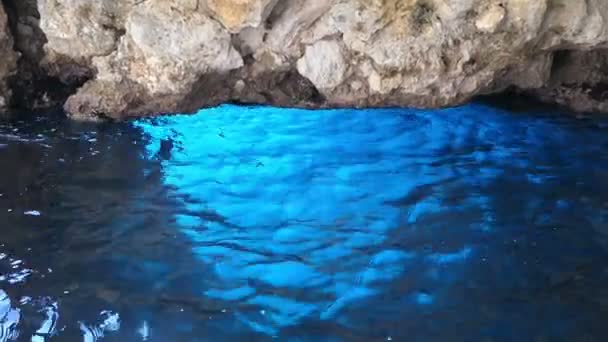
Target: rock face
[
  {"x": 579, "y": 80},
  {"x": 8, "y": 61},
  {"x": 122, "y": 58}
]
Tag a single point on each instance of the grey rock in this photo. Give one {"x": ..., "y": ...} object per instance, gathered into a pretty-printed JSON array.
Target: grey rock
[
  {"x": 153, "y": 56},
  {"x": 8, "y": 61}
]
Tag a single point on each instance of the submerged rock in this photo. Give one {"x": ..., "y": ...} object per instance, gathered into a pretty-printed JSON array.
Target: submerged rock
[{"x": 121, "y": 58}]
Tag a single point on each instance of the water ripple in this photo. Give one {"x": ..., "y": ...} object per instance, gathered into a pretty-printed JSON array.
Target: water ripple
[
  {"x": 252, "y": 223},
  {"x": 337, "y": 203}
]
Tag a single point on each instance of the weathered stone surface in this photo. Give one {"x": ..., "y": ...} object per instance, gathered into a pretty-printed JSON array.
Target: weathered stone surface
[
  {"x": 324, "y": 64},
  {"x": 236, "y": 15},
  {"x": 162, "y": 55},
  {"x": 8, "y": 60},
  {"x": 78, "y": 29},
  {"x": 579, "y": 81},
  {"x": 154, "y": 56}
]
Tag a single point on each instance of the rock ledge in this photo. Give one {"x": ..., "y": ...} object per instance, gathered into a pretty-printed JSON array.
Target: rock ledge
[{"x": 124, "y": 58}]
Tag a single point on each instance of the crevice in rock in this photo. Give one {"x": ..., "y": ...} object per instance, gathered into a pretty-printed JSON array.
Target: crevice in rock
[
  {"x": 517, "y": 101},
  {"x": 209, "y": 90},
  {"x": 578, "y": 81},
  {"x": 560, "y": 59},
  {"x": 241, "y": 47},
  {"x": 422, "y": 15},
  {"x": 299, "y": 89},
  {"x": 33, "y": 88},
  {"x": 598, "y": 91},
  {"x": 276, "y": 14},
  {"x": 287, "y": 88}
]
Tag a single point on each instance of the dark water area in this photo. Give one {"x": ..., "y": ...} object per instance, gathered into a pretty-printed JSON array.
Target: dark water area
[{"x": 259, "y": 224}]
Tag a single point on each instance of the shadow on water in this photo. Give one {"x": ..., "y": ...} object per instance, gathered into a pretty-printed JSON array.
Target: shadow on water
[
  {"x": 87, "y": 227},
  {"x": 248, "y": 223}
]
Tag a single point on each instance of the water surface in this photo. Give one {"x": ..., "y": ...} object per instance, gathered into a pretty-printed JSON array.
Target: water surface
[{"x": 257, "y": 223}]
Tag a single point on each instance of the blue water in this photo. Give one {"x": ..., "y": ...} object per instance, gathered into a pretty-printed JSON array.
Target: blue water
[{"x": 258, "y": 223}]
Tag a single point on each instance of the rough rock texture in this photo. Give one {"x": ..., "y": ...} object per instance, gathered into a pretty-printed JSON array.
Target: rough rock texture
[
  {"x": 579, "y": 80},
  {"x": 8, "y": 61},
  {"x": 121, "y": 58},
  {"x": 33, "y": 85}
]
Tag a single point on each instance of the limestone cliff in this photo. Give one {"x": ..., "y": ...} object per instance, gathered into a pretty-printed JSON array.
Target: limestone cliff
[{"x": 121, "y": 58}]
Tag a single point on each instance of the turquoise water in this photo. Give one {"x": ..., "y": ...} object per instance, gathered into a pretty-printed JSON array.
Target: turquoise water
[{"x": 258, "y": 223}]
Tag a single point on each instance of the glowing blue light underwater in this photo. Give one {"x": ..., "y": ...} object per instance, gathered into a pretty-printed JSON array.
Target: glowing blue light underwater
[
  {"x": 424, "y": 298},
  {"x": 299, "y": 199}
]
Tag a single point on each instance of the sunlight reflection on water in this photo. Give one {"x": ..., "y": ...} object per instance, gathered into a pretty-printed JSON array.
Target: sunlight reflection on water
[
  {"x": 246, "y": 223},
  {"x": 297, "y": 211}
]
